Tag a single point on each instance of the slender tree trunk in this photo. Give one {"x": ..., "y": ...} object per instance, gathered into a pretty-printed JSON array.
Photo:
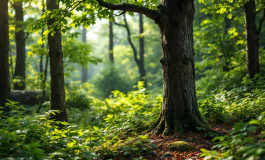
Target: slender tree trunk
[
  {"x": 141, "y": 44},
  {"x": 227, "y": 58},
  {"x": 42, "y": 85},
  {"x": 4, "y": 44},
  {"x": 252, "y": 39},
  {"x": 20, "y": 73},
  {"x": 111, "y": 45},
  {"x": 84, "y": 69},
  {"x": 56, "y": 68},
  {"x": 43, "y": 73},
  {"x": 179, "y": 108},
  {"x": 139, "y": 61}
]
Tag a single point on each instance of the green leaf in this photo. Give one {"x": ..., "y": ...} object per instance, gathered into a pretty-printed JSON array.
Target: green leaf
[
  {"x": 254, "y": 122},
  {"x": 95, "y": 128}
]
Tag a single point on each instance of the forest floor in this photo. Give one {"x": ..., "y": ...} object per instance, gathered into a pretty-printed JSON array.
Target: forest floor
[{"x": 197, "y": 140}]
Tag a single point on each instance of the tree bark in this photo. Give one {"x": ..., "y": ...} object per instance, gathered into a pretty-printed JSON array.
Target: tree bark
[
  {"x": 111, "y": 45},
  {"x": 179, "y": 108},
  {"x": 252, "y": 39},
  {"x": 84, "y": 69},
  {"x": 56, "y": 68},
  {"x": 20, "y": 73},
  {"x": 4, "y": 44},
  {"x": 141, "y": 57}
]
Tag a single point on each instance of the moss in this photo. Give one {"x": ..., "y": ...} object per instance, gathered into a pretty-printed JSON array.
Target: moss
[{"x": 180, "y": 146}]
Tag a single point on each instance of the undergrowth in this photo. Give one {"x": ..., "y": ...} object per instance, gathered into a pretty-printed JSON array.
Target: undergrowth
[{"x": 114, "y": 127}]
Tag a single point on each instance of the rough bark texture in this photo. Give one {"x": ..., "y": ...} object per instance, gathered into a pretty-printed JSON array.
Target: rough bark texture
[
  {"x": 57, "y": 70},
  {"x": 20, "y": 73},
  {"x": 84, "y": 69},
  {"x": 141, "y": 57},
  {"x": 179, "y": 108},
  {"x": 111, "y": 45},
  {"x": 252, "y": 39},
  {"x": 4, "y": 43}
]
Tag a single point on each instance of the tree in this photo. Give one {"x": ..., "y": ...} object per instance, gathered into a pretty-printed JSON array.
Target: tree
[
  {"x": 84, "y": 69},
  {"x": 20, "y": 47},
  {"x": 56, "y": 66},
  {"x": 141, "y": 44},
  {"x": 138, "y": 58},
  {"x": 252, "y": 37},
  {"x": 111, "y": 56},
  {"x": 175, "y": 20},
  {"x": 253, "y": 27},
  {"x": 4, "y": 44}
]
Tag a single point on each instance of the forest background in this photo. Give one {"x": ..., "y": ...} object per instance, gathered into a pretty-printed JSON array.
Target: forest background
[{"x": 111, "y": 84}]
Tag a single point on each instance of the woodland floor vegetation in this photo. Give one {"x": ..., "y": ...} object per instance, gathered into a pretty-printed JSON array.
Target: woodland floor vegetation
[{"x": 119, "y": 128}]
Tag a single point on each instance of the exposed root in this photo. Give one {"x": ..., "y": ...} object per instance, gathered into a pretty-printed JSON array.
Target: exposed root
[{"x": 162, "y": 126}]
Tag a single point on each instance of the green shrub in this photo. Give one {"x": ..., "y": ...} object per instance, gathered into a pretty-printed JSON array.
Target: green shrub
[
  {"x": 239, "y": 104},
  {"x": 240, "y": 143},
  {"x": 109, "y": 80},
  {"x": 37, "y": 137},
  {"x": 132, "y": 147}
]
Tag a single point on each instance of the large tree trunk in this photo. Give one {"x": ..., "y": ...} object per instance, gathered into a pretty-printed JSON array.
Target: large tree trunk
[
  {"x": 252, "y": 39},
  {"x": 56, "y": 68},
  {"x": 141, "y": 44},
  {"x": 4, "y": 43},
  {"x": 179, "y": 108},
  {"x": 84, "y": 69},
  {"x": 111, "y": 45},
  {"x": 20, "y": 48}
]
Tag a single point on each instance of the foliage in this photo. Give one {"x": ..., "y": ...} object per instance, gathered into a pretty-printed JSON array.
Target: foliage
[
  {"x": 240, "y": 143},
  {"x": 78, "y": 52},
  {"x": 38, "y": 137},
  {"x": 132, "y": 147},
  {"x": 110, "y": 80},
  {"x": 238, "y": 104}
]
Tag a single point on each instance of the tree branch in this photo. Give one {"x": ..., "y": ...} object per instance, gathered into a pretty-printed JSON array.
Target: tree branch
[
  {"x": 152, "y": 14},
  {"x": 120, "y": 13},
  {"x": 118, "y": 24},
  {"x": 126, "y": 26}
]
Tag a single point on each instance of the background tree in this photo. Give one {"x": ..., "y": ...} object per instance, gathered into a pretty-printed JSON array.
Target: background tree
[
  {"x": 138, "y": 58},
  {"x": 56, "y": 65},
  {"x": 141, "y": 51},
  {"x": 20, "y": 68},
  {"x": 252, "y": 36},
  {"x": 111, "y": 45},
  {"x": 254, "y": 17},
  {"x": 4, "y": 48},
  {"x": 84, "y": 69}
]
